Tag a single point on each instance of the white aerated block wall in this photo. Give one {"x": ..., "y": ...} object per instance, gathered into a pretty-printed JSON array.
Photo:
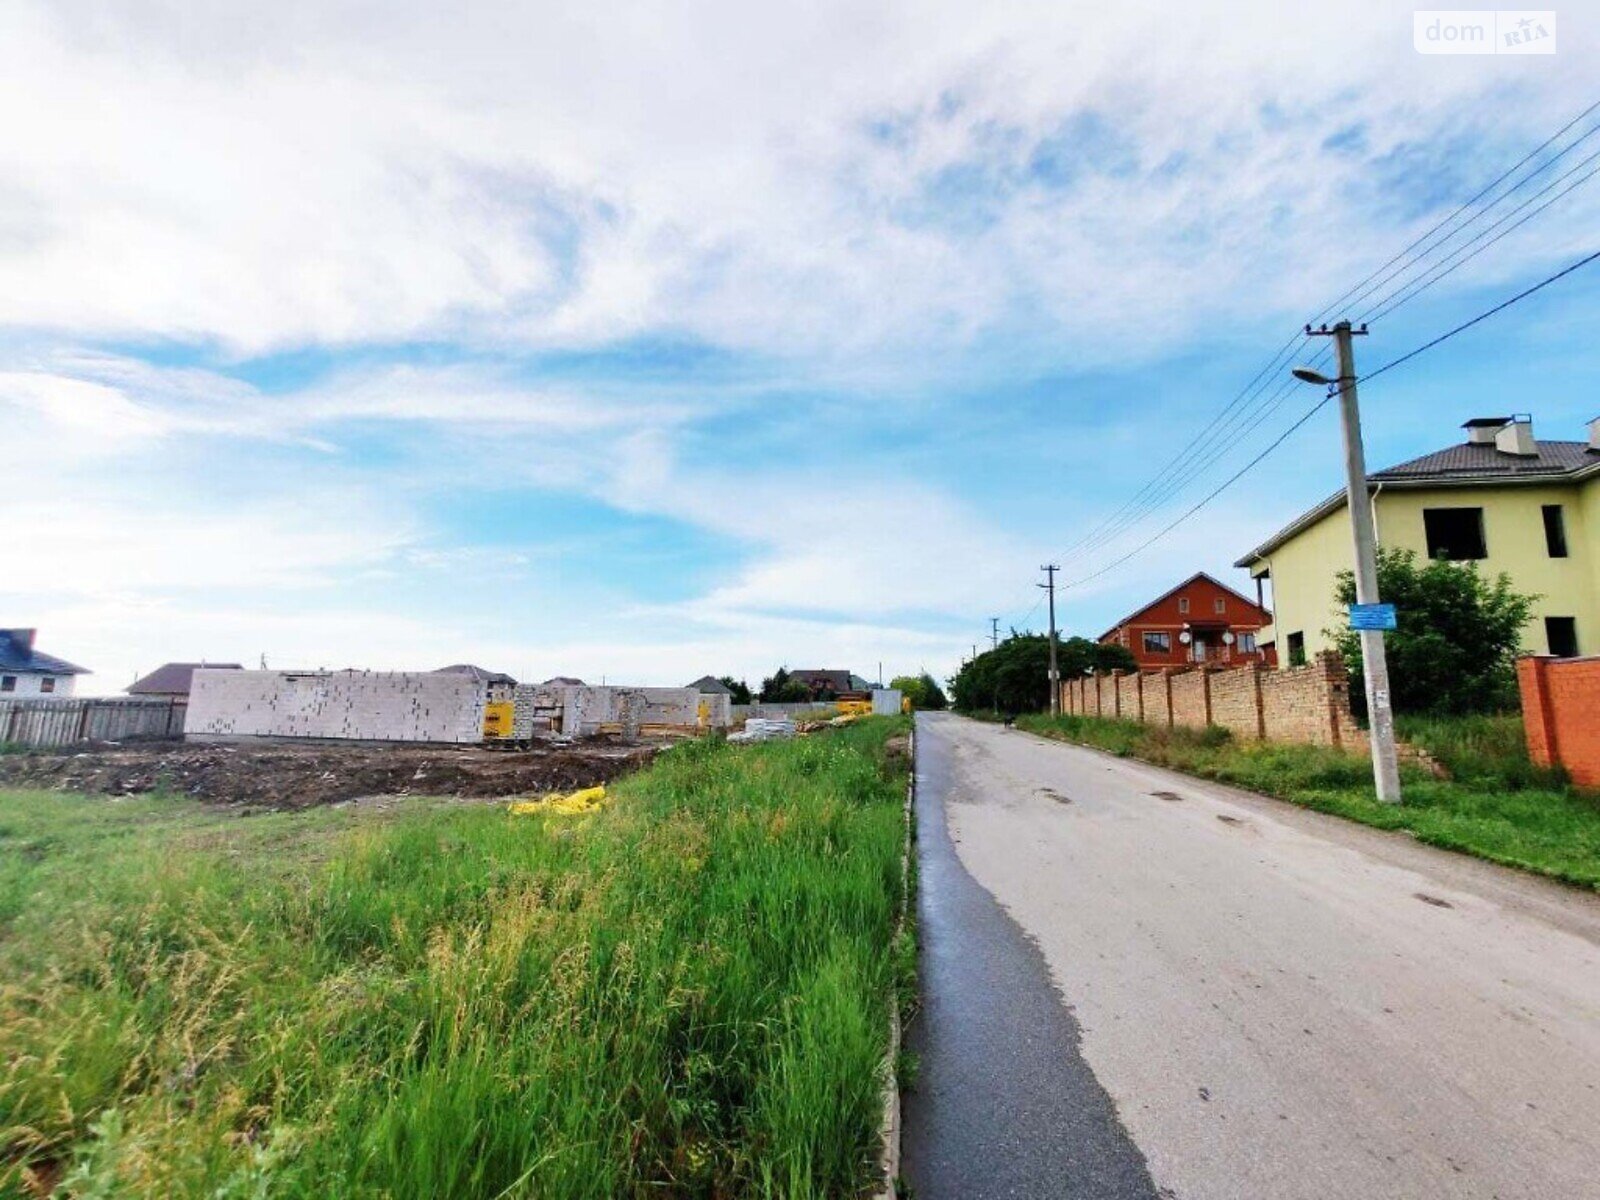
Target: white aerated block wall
[
  {"x": 588, "y": 708},
  {"x": 379, "y": 706}
]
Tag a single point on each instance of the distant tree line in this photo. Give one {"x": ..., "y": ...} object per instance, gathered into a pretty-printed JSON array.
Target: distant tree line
[
  {"x": 1014, "y": 677},
  {"x": 925, "y": 695}
]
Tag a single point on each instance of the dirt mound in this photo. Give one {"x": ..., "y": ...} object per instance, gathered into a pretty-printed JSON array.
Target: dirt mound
[{"x": 303, "y": 776}]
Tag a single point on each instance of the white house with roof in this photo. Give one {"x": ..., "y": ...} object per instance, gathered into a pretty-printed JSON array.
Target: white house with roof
[{"x": 25, "y": 671}]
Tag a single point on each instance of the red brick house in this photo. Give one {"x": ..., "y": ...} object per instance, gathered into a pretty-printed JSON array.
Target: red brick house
[{"x": 1200, "y": 620}]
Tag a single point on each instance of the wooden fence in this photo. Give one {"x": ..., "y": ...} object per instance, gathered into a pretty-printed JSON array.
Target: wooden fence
[{"x": 41, "y": 723}]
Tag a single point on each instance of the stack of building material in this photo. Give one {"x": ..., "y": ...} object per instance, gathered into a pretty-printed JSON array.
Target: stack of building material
[
  {"x": 382, "y": 706},
  {"x": 764, "y": 729}
]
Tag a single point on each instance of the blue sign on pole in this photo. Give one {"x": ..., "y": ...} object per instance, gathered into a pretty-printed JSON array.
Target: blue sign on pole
[{"x": 1372, "y": 616}]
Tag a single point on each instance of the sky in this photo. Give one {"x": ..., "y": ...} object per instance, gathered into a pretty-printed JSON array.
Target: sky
[{"x": 646, "y": 341}]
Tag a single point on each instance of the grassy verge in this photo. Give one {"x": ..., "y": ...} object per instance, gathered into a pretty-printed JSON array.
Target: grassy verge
[
  {"x": 680, "y": 995},
  {"x": 1508, "y": 813}
]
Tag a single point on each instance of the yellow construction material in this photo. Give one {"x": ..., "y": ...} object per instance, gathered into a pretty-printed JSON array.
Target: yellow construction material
[
  {"x": 499, "y": 716},
  {"x": 855, "y": 708},
  {"x": 568, "y": 804}
]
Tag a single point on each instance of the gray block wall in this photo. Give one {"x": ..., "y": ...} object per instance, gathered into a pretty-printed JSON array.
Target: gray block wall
[
  {"x": 587, "y": 708},
  {"x": 383, "y": 706}
]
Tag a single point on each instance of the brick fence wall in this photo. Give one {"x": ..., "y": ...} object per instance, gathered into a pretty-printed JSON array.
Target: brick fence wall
[
  {"x": 1302, "y": 704},
  {"x": 1560, "y": 700}
]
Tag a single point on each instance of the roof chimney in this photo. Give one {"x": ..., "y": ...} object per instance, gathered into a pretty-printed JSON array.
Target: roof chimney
[
  {"x": 1516, "y": 437},
  {"x": 1481, "y": 430},
  {"x": 22, "y": 639},
  {"x": 1594, "y": 434}
]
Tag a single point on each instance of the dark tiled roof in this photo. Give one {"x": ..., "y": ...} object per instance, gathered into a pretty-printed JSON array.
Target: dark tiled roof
[
  {"x": 1473, "y": 461},
  {"x": 710, "y": 685},
  {"x": 174, "y": 679},
  {"x": 17, "y": 655},
  {"x": 477, "y": 673},
  {"x": 1463, "y": 463},
  {"x": 835, "y": 681}
]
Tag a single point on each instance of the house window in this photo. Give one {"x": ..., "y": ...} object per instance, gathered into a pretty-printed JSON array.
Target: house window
[
  {"x": 1158, "y": 643},
  {"x": 1247, "y": 643},
  {"x": 47, "y": 684},
  {"x": 1562, "y": 634},
  {"x": 1219, "y": 605},
  {"x": 1183, "y": 604},
  {"x": 1555, "y": 531},
  {"x": 8, "y": 683},
  {"x": 1297, "y": 649},
  {"x": 1455, "y": 533}
]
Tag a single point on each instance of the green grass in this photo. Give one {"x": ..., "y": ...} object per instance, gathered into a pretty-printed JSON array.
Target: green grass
[
  {"x": 682, "y": 995},
  {"x": 1488, "y": 750},
  {"x": 1498, "y": 806}
]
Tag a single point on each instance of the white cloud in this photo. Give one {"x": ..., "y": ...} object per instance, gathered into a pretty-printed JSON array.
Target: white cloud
[
  {"x": 898, "y": 196},
  {"x": 312, "y": 173}
]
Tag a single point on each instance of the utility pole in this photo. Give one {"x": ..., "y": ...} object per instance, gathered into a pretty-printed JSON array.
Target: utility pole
[
  {"x": 994, "y": 633},
  {"x": 1375, "y": 663},
  {"x": 1050, "y": 570}
]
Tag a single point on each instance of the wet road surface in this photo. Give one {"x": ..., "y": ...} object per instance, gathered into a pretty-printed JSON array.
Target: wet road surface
[
  {"x": 1254, "y": 1000},
  {"x": 1004, "y": 1105}
]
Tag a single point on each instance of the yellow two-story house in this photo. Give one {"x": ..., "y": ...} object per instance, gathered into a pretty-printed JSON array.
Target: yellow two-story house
[{"x": 1502, "y": 499}]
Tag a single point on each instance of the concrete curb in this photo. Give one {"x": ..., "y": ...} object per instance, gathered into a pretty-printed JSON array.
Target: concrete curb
[{"x": 889, "y": 1153}]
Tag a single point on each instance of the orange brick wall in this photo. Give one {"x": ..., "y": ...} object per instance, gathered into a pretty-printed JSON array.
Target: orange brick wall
[
  {"x": 1156, "y": 709},
  {"x": 1560, "y": 707},
  {"x": 1235, "y": 701},
  {"x": 1304, "y": 704},
  {"x": 1189, "y": 699}
]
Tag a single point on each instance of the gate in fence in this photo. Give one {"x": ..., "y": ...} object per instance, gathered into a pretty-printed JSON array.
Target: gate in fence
[{"x": 42, "y": 723}]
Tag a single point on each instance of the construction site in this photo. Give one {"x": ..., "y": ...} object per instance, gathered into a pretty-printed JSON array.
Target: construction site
[{"x": 298, "y": 739}]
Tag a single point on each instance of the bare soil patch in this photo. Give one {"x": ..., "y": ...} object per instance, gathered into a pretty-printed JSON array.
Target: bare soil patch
[{"x": 291, "y": 776}]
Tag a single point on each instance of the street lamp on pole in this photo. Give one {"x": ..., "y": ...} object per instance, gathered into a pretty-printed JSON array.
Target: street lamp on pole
[{"x": 1374, "y": 662}]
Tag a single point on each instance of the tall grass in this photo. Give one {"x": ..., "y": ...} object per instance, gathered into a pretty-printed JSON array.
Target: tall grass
[
  {"x": 1488, "y": 749},
  {"x": 682, "y": 995},
  {"x": 1497, "y": 807}
]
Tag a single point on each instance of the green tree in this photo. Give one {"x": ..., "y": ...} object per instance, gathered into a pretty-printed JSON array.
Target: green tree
[
  {"x": 1454, "y": 649},
  {"x": 1014, "y": 677},
  {"x": 739, "y": 688},
  {"x": 782, "y": 688},
  {"x": 1078, "y": 655},
  {"x": 925, "y": 695}
]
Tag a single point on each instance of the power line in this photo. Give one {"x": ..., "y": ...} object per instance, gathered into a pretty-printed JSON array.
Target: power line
[
  {"x": 1386, "y": 309},
  {"x": 1210, "y": 496},
  {"x": 1482, "y": 212},
  {"x": 1311, "y": 412},
  {"x": 1197, "y": 457},
  {"x": 1466, "y": 204},
  {"x": 1483, "y": 316},
  {"x": 1257, "y": 400}
]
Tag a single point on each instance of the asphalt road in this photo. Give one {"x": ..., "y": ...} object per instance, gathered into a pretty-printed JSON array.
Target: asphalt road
[{"x": 1140, "y": 984}]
